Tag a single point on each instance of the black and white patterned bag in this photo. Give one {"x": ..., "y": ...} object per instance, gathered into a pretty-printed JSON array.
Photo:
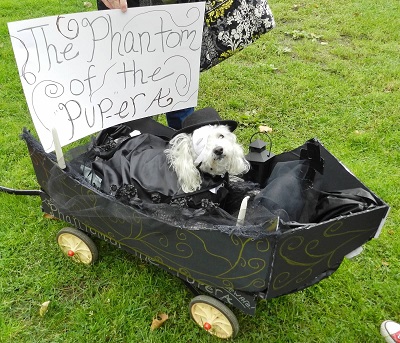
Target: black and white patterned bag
[{"x": 231, "y": 25}]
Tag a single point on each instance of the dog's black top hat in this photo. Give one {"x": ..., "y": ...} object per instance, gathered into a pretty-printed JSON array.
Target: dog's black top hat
[{"x": 205, "y": 116}]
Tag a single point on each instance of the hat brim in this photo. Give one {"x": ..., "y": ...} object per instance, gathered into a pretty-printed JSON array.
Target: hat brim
[{"x": 232, "y": 125}]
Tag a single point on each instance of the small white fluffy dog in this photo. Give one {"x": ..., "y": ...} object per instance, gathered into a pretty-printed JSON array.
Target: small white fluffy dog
[{"x": 212, "y": 149}]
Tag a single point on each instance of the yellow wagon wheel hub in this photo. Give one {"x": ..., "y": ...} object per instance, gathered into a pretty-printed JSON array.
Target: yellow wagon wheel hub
[
  {"x": 75, "y": 248},
  {"x": 212, "y": 320}
]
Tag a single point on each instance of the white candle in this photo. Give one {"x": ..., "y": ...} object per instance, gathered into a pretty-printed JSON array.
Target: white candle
[
  {"x": 242, "y": 211},
  {"x": 57, "y": 147}
]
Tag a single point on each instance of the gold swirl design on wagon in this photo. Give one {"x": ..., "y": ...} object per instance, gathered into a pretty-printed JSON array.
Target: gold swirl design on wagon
[{"x": 311, "y": 257}]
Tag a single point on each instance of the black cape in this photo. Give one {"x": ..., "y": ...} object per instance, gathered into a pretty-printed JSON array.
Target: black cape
[{"x": 139, "y": 169}]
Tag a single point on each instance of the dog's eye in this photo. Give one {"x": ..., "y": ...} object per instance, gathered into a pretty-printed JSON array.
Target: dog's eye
[{"x": 221, "y": 136}]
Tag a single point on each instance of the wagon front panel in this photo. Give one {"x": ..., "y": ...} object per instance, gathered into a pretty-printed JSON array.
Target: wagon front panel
[{"x": 306, "y": 255}]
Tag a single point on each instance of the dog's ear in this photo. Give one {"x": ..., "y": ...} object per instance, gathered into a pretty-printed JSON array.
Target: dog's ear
[
  {"x": 180, "y": 158},
  {"x": 239, "y": 166}
]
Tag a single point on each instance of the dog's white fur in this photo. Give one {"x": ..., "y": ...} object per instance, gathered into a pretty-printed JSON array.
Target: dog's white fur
[{"x": 222, "y": 154}]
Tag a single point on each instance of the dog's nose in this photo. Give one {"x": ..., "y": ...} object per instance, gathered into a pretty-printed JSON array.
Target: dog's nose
[{"x": 219, "y": 150}]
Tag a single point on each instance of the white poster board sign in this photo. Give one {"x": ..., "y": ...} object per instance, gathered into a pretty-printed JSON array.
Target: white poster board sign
[{"x": 84, "y": 72}]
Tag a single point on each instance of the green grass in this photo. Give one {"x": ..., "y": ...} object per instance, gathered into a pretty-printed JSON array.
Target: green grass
[{"x": 328, "y": 70}]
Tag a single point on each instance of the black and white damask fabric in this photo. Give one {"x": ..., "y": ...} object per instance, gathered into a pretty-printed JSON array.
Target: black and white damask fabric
[{"x": 231, "y": 25}]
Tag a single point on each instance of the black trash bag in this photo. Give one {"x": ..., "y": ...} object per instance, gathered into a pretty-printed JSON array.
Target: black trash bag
[
  {"x": 342, "y": 202},
  {"x": 108, "y": 141},
  {"x": 290, "y": 191}
]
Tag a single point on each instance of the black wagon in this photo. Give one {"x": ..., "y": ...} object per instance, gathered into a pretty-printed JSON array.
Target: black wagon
[{"x": 224, "y": 264}]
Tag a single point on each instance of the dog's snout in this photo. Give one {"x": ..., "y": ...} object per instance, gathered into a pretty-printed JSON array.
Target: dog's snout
[{"x": 219, "y": 150}]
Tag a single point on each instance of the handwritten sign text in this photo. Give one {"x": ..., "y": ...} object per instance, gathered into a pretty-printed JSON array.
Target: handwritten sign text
[{"x": 84, "y": 72}]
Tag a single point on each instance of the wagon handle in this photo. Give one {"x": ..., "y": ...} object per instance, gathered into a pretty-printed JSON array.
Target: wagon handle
[{"x": 20, "y": 191}]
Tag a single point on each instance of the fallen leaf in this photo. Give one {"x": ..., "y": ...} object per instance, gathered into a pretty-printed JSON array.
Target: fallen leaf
[
  {"x": 263, "y": 128},
  {"x": 391, "y": 87},
  {"x": 272, "y": 67},
  {"x": 49, "y": 216},
  {"x": 87, "y": 4},
  {"x": 43, "y": 308},
  {"x": 296, "y": 7},
  {"x": 158, "y": 321}
]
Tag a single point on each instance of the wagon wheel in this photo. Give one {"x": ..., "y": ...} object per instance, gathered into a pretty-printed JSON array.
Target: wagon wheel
[
  {"x": 213, "y": 316},
  {"x": 77, "y": 245}
]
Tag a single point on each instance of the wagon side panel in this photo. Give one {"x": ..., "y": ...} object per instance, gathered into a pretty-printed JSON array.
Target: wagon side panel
[{"x": 208, "y": 256}]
